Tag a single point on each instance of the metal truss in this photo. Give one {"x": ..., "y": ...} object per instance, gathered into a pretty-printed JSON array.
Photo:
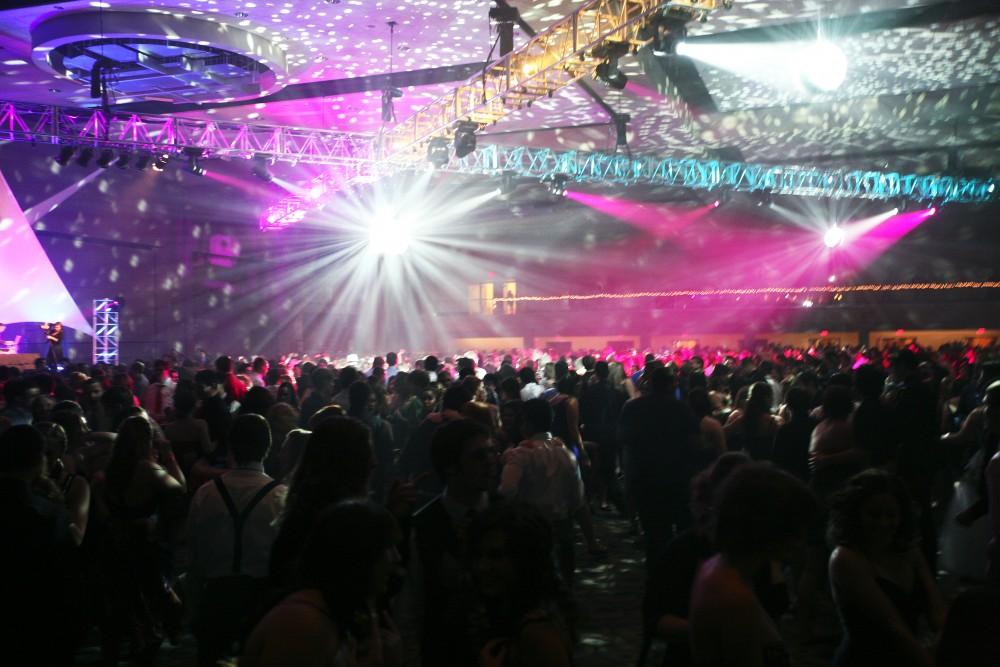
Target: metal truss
[
  {"x": 106, "y": 331},
  {"x": 718, "y": 175},
  {"x": 173, "y": 134},
  {"x": 566, "y": 51},
  {"x": 296, "y": 206}
]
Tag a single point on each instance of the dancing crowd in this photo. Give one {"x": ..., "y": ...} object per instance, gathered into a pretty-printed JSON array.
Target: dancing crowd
[{"x": 431, "y": 510}]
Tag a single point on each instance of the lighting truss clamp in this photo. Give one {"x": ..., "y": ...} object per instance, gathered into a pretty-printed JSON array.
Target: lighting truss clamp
[{"x": 549, "y": 61}]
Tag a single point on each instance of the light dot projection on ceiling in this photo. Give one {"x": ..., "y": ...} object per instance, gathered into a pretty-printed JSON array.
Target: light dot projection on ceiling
[{"x": 323, "y": 41}]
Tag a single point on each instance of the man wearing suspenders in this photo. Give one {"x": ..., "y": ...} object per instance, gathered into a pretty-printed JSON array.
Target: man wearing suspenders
[{"x": 232, "y": 524}]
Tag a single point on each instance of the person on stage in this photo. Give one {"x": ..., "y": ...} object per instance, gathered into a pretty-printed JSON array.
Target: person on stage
[{"x": 54, "y": 335}]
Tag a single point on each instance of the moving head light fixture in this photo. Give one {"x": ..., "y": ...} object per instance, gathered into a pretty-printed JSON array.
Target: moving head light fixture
[
  {"x": 607, "y": 71},
  {"x": 438, "y": 153},
  {"x": 465, "y": 138}
]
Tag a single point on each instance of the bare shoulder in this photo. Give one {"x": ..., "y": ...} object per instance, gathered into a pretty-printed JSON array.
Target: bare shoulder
[
  {"x": 718, "y": 587},
  {"x": 848, "y": 562}
]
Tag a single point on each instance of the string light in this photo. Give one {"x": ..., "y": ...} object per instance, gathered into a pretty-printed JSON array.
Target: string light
[{"x": 761, "y": 291}]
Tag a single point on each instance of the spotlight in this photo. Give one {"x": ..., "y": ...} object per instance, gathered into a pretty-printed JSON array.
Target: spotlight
[
  {"x": 670, "y": 32},
  {"x": 142, "y": 161},
  {"x": 465, "y": 138},
  {"x": 193, "y": 155},
  {"x": 123, "y": 160},
  {"x": 388, "y": 109},
  {"x": 833, "y": 237},
  {"x": 105, "y": 159},
  {"x": 194, "y": 167},
  {"x": 160, "y": 161},
  {"x": 556, "y": 185},
  {"x": 389, "y": 234},
  {"x": 508, "y": 183},
  {"x": 621, "y": 121},
  {"x": 823, "y": 66},
  {"x": 725, "y": 194},
  {"x": 261, "y": 168},
  {"x": 84, "y": 158},
  {"x": 437, "y": 152},
  {"x": 765, "y": 199},
  {"x": 65, "y": 155},
  {"x": 608, "y": 71}
]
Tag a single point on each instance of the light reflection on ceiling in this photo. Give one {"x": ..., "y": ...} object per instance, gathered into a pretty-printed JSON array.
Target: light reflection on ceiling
[{"x": 908, "y": 87}]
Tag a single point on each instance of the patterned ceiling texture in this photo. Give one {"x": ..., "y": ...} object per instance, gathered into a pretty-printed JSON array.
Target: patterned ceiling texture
[{"x": 922, "y": 88}]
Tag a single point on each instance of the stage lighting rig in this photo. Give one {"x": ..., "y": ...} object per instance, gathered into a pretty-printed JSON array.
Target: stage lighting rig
[
  {"x": 65, "y": 155},
  {"x": 621, "y": 121},
  {"x": 438, "y": 153},
  {"x": 142, "y": 161},
  {"x": 391, "y": 92},
  {"x": 504, "y": 16},
  {"x": 261, "y": 168},
  {"x": 105, "y": 159},
  {"x": 388, "y": 109},
  {"x": 607, "y": 71},
  {"x": 668, "y": 29},
  {"x": 160, "y": 161},
  {"x": 123, "y": 159},
  {"x": 834, "y": 237},
  {"x": 465, "y": 138},
  {"x": 508, "y": 183},
  {"x": 193, "y": 155},
  {"x": 556, "y": 184},
  {"x": 84, "y": 158}
]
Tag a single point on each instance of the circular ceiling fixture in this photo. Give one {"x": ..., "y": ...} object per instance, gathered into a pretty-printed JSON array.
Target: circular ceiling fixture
[{"x": 156, "y": 55}]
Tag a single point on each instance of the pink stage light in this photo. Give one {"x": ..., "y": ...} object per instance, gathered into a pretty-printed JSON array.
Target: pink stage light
[
  {"x": 656, "y": 218},
  {"x": 833, "y": 237}
]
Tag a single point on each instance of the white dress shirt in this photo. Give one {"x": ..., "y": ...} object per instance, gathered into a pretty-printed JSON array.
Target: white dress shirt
[{"x": 211, "y": 526}]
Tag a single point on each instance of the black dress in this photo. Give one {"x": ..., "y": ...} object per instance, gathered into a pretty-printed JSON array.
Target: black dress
[{"x": 863, "y": 646}]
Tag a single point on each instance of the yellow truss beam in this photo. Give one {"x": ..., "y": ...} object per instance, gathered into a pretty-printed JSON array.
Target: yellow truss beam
[{"x": 551, "y": 60}]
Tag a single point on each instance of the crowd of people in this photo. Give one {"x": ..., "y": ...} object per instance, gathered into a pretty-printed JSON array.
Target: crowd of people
[{"x": 431, "y": 510}]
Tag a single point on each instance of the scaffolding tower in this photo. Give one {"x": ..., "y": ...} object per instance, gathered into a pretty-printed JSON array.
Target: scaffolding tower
[{"x": 106, "y": 331}]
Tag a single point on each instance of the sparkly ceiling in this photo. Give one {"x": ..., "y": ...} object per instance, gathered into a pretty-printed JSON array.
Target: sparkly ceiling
[{"x": 912, "y": 90}]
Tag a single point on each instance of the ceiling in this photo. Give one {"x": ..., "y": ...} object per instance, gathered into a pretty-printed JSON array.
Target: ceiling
[{"x": 922, "y": 90}]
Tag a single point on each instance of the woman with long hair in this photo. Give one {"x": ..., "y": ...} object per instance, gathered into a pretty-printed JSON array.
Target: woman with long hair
[
  {"x": 336, "y": 465},
  {"x": 332, "y": 617},
  {"x": 760, "y": 516},
  {"x": 881, "y": 582},
  {"x": 712, "y": 435},
  {"x": 140, "y": 483},
  {"x": 753, "y": 429}
]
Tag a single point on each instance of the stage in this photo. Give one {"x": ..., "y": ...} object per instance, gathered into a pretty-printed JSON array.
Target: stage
[{"x": 25, "y": 362}]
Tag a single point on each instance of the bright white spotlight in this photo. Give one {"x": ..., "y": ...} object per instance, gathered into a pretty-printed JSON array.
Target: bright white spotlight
[
  {"x": 834, "y": 237},
  {"x": 823, "y": 65},
  {"x": 389, "y": 234}
]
